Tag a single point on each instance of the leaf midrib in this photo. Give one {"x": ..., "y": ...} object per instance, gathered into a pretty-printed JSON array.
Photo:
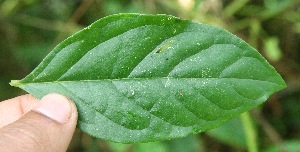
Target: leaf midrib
[{"x": 18, "y": 83}]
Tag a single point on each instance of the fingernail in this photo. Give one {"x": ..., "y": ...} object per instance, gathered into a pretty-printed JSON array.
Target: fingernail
[{"x": 54, "y": 106}]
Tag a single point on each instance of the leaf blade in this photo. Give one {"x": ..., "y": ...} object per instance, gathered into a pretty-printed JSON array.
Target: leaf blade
[{"x": 160, "y": 78}]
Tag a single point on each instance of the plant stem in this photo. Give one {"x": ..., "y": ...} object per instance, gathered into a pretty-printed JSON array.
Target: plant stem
[
  {"x": 250, "y": 131},
  {"x": 15, "y": 83}
]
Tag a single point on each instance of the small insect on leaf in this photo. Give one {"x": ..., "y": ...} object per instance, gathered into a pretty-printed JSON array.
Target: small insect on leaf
[{"x": 162, "y": 48}]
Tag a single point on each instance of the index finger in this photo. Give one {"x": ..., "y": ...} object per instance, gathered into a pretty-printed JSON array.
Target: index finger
[{"x": 12, "y": 109}]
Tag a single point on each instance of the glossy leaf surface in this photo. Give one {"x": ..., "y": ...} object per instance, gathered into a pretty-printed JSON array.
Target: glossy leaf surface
[{"x": 140, "y": 78}]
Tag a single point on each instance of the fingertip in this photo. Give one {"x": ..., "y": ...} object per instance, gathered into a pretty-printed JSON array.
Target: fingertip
[
  {"x": 49, "y": 126},
  {"x": 56, "y": 107}
]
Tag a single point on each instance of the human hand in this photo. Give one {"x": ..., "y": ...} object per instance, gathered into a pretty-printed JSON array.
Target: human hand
[{"x": 27, "y": 124}]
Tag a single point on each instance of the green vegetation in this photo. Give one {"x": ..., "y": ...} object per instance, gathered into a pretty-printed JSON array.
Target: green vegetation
[
  {"x": 154, "y": 77},
  {"x": 31, "y": 28}
]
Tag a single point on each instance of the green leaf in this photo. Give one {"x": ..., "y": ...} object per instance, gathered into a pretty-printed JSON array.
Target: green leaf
[
  {"x": 141, "y": 78},
  {"x": 287, "y": 146},
  {"x": 272, "y": 49},
  {"x": 150, "y": 147},
  {"x": 231, "y": 133},
  {"x": 179, "y": 145}
]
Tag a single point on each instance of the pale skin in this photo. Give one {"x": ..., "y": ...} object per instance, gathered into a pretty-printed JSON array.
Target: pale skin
[{"x": 31, "y": 125}]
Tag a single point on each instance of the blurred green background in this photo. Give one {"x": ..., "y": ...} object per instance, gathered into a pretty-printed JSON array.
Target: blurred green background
[{"x": 30, "y": 29}]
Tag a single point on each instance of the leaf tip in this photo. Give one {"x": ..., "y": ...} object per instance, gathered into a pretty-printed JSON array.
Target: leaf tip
[{"x": 15, "y": 83}]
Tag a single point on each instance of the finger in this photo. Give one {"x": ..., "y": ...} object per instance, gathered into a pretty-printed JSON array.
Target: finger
[
  {"x": 48, "y": 127},
  {"x": 12, "y": 109}
]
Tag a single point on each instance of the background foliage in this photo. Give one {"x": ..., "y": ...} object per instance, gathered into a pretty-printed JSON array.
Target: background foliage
[{"x": 29, "y": 29}]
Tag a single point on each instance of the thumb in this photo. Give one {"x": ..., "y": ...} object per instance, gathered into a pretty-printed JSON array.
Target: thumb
[{"x": 49, "y": 126}]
